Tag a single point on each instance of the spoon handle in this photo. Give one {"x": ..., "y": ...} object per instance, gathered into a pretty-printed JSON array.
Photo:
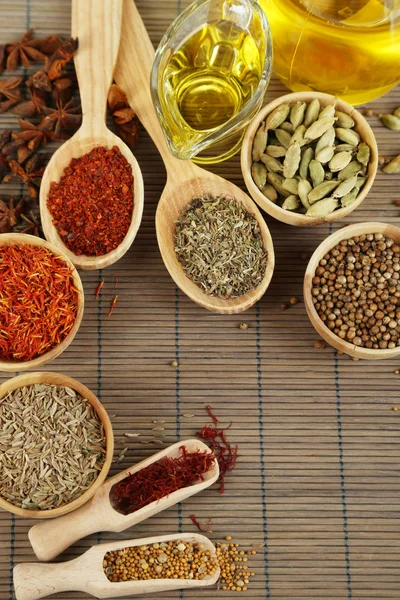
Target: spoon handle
[
  {"x": 97, "y": 25},
  {"x": 37, "y": 580},
  {"x": 132, "y": 73},
  {"x": 51, "y": 537}
]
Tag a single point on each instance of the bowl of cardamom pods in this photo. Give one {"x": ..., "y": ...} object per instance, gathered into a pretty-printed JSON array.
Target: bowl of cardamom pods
[{"x": 309, "y": 158}]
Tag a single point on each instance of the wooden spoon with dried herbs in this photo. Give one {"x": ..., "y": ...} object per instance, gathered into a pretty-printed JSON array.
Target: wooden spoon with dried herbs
[{"x": 185, "y": 181}]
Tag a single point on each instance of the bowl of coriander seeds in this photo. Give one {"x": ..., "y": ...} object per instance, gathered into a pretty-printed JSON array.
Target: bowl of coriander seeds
[
  {"x": 352, "y": 290},
  {"x": 56, "y": 445},
  {"x": 309, "y": 158}
]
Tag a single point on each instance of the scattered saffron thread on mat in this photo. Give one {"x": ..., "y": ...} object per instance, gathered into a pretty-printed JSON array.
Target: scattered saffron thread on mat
[
  {"x": 116, "y": 283},
  {"x": 225, "y": 453},
  {"x": 113, "y": 303},
  {"x": 99, "y": 288},
  {"x": 198, "y": 525}
]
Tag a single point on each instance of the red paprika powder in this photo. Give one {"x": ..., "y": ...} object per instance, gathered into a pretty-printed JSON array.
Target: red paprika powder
[{"x": 92, "y": 204}]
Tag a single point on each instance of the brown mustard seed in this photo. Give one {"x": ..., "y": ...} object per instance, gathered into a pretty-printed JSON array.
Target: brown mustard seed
[
  {"x": 319, "y": 345},
  {"x": 284, "y": 306},
  {"x": 166, "y": 560},
  {"x": 356, "y": 291},
  {"x": 368, "y": 112},
  {"x": 243, "y": 326},
  {"x": 294, "y": 300}
]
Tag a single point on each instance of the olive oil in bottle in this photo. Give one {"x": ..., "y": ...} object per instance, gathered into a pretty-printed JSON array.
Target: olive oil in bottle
[
  {"x": 207, "y": 81},
  {"x": 348, "y": 48}
]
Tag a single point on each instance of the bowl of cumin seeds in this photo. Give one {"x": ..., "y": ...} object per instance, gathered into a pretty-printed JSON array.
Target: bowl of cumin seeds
[{"x": 56, "y": 445}]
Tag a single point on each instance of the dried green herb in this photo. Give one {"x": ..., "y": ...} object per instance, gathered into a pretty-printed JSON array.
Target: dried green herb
[{"x": 220, "y": 246}]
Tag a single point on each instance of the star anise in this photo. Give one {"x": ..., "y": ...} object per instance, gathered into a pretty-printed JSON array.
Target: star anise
[
  {"x": 23, "y": 51},
  {"x": 49, "y": 45},
  {"x": 30, "y": 175},
  {"x": 10, "y": 215},
  {"x": 39, "y": 80},
  {"x": 32, "y": 224},
  {"x": 67, "y": 117},
  {"x": 33, "y": 136},
  {"x": 2, "y": 57},
  {"x": 63, "y": 89},
  {"x": 5, "y": 137},
  {"x": 9, "y": 88},
  {"x": 57, "y": 61},
  {"x": 124, "y": 117},
  {"x": 31, "y": 107}
]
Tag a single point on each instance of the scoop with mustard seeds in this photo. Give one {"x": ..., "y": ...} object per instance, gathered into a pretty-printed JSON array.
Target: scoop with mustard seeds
[{"x": 179, "y": 559}]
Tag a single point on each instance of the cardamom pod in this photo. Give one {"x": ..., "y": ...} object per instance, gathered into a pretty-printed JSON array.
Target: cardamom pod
[
  {"x": 350, "y": 198},
  {"x": 393, "y": 166},
  {"x": 270, "y": 192},
  {"x": 297, "y": 114},
  {"x": 344, "y": 120},
  {"x": 312, "y": 112},
  {"x": 287, "y": 127},
  {"x": 397, "y": 112},
  {"x": 348, "y": 135},
  {"x": 317, "y": 172},
  {"x": 304, "y": 188},
  {"x": 327, "y": 139},
  {"x": 259, "y": 174},
  {"x": 339, "y": 161},
  {"x": 319, "y": 127},
  {"x": 277, "y": 116},
  {"x": 276, "y": 181},
  {"x": 271, "y": 163},
  {"x": 292, "y": 160},
  {"x": 298, "y": 136},
  {"x": 291, "y": 185},
  {"x": 345, "y": 148},
  {"x": 292, "y": 202},
  {"x": 328, "y": 111},
  {"x": 322, "y": 190},
  {"x": 345, "y": 187},
  {"x": 323, "y": 208},
  {"x": 364, "y": 153},
  {"x": 325, "y": 155},
  {"x": 390, "y": 121},
  {"x": 352, "y": 168},
  {"x": 283, "y": 137},
  {"x": 260, "y": 142},
  {"x": 307, "y": 156},
  {"x": 360, "y": 181},
  {"x": 276, "y": 151}
]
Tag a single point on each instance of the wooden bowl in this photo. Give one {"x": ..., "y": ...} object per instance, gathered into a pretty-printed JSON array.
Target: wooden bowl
[
  {"x": 321, "y": 328},
  {"x": 168, "y": 213},
  {"x": 63, "y": 380},
  {"x": 15, "y": 365},
  {"x": 287, "y": 216}
]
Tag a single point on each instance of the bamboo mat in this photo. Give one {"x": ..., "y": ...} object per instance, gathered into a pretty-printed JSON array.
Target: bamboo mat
[{"x": 317, "y": 482}]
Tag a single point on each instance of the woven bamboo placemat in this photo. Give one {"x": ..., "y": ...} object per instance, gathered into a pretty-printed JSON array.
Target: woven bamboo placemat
[{"x": 317, "y": 482}]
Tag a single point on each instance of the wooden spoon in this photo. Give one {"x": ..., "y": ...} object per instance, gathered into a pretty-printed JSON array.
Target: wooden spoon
[
  {"x": 50, "y": 538},
  {"x": 85, "y": 573},
  {"x": 185, "y": 180},
  {"x": 97, "y": 24}
]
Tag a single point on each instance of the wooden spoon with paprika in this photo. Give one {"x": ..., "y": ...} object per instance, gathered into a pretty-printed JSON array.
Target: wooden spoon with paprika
[
  {"x": 185, "y": 180},
  {"x": 97, "y": 25}
]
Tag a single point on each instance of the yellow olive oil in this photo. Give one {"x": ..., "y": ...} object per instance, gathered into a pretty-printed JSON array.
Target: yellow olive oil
[
  {"x": 349, "y": 48},
  {"x": 208, "y": 80}
]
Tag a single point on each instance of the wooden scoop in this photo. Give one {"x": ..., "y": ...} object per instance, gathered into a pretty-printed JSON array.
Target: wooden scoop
[
  {"x": 97, "y": 24},
  {"x": 185, "y": 180},
  {"x": 85, "y": 573},
  {"x": 50, "y": 538}
]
